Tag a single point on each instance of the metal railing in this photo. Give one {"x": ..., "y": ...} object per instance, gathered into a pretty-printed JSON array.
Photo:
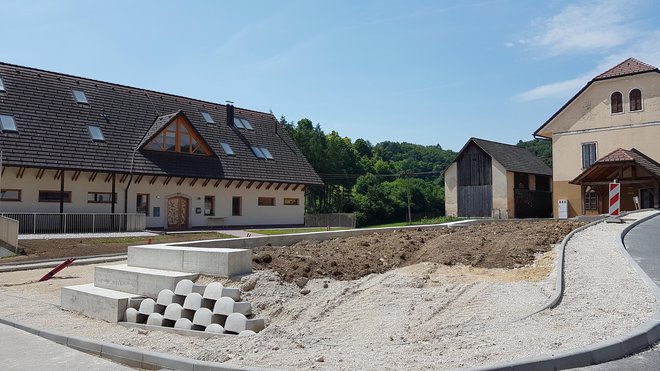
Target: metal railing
[{"x": 40, "y": 223}]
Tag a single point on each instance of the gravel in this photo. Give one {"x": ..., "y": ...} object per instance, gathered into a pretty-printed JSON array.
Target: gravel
[{"x": 423, "y": 316}]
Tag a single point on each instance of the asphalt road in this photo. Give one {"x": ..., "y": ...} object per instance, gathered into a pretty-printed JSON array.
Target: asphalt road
[{"x": 643, "y": 244}]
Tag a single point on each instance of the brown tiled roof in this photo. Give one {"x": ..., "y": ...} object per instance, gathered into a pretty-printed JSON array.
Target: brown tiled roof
[
  {"x": 52, "y": 131},
  {"x": 630, "y": 66},
  {"x": 601, "y": 169}
]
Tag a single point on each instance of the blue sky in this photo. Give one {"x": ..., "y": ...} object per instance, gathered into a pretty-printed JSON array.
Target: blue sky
[{"x": 427, "y": 72}]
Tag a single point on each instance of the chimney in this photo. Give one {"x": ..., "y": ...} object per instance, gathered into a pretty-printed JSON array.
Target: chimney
[{"x": 230, "y": 113}]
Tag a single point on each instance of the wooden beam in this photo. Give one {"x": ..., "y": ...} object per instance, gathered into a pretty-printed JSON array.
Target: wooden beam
[
  {"x": 3, "y": 170},
  {"x": 75, "y": 175},
  {"x": 153, "y": 179},
  {"x": 228, "y": 183},
  {"x": 192, "y": 182},
  {"x": 123, "y": 178},
  {"x": 217, "y": 183},
  {"x": 40, "y": 173},
  {"x": 287, "y": 186},
  {"x": 269, "y": 185},
  {"x": 180, "y": 181},
  {"x": 302, "y": 189},
  {"x": 249, "y": 184},
  {"x": 167, "y": 180},
  {"x": 20, "y": 172},
  {"x": 260, "y": 184},
  {"x": 278, "y": 186},
  {"x": 206, "y": 181},
  {"x": 108, "y": 177},
  {"x": 138, "y": 179},
  {"x": 57, "y": 175},
  {"x": 296, "y": 187},
  {"x": 92, "y": 177},
  {"x": 239, "y": 184}
]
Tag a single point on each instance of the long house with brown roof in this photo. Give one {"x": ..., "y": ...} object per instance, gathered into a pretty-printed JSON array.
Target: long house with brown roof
[
  {"x": 76, "y": 145},
  {"x": 610, "y": 130}
]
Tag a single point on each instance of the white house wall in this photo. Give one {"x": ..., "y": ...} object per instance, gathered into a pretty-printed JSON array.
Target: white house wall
[{"x": 251, "y": 213}]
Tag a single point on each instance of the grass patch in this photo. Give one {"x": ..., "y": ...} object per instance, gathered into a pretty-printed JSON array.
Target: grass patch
[
  {"x": 163, "y": 238},
  {"x": 271, "y": 232},
  {"x": 438, "y": 220}
]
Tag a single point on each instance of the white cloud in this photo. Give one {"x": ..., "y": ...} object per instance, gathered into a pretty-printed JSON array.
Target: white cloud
[
  {"x": 555, "y": 89},
  {"x": 586, "y": 27}
]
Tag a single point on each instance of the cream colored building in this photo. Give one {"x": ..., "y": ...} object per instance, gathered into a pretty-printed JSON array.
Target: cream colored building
[
  {"x": 490, "y": 179},
  {"x": 609, "y": 130}
]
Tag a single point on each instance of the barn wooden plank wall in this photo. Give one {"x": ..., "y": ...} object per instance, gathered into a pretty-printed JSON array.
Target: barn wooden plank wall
[{"x": 475, "y": 190}]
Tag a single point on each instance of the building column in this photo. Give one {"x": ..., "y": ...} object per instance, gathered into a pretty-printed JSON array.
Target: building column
[{"x": 62, "y": 192}]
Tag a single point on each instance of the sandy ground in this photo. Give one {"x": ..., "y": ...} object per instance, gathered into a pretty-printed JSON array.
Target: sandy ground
[{"x": 419, "y": 316}]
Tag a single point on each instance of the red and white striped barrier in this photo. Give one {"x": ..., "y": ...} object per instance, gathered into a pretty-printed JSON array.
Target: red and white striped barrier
[{"x": 615, "y": 195}]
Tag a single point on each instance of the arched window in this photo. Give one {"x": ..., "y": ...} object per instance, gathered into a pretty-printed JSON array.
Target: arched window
[
  {"x": 635, "y": 100},
  {"x": 616, "y": 102}
]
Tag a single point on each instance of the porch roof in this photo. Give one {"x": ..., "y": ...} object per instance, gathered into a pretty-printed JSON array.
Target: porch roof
[{"x": 612, "y": 166}]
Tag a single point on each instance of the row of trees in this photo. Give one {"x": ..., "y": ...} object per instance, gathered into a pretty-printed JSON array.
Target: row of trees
[{"x": 380, "y": 183}]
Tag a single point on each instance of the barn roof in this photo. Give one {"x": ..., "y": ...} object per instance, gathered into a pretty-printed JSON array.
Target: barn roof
[
  {"x": 513, "y": 158},
  {"x": 52, "y": 131}
]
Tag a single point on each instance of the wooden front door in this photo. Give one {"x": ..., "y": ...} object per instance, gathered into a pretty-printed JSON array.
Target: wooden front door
[{"x": 177, "y": 213}]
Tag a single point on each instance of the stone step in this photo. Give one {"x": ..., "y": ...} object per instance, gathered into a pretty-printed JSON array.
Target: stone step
[
  {"x": 222, "y": 262},
  {"x": 97, "y": 302},
  {"x": 138, "y": 280}
]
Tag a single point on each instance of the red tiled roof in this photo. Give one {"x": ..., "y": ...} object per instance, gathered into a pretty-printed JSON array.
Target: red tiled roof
[
  {"x": 617, "y": 156},
  {"x": 601, "y": 169},
  {"x": 630, "y": 66}
]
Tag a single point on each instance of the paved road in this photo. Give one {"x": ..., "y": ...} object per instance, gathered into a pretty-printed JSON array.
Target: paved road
[
  {"x": 20, "y": 350},
  {"x": 643, "y": 243}
]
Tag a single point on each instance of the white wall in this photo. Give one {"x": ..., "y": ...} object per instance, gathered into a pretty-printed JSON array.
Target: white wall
[{"x": 252, "y": 214}]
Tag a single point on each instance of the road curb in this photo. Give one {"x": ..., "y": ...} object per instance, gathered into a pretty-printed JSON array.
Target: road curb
[
  {"x": 634, "y": 341},
  {"x": 132, "y": 357}
]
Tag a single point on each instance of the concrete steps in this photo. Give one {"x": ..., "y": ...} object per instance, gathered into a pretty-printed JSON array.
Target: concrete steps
[
  {"x": 108, "y": 305},
  {"x": 138, "y": 280},
  {"x": 221, "y": 262}
]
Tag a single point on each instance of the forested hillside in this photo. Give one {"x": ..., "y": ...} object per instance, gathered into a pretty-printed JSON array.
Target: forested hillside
[{"x": 378, "y": 182}]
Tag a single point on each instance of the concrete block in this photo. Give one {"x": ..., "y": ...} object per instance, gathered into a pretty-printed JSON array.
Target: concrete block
[
  {"x": 231, "y": 292},
  {"x": 255, "y": 325},
  {"x": 165, "y": 297},
  {"x": 147, "y": 306},
  {"x": 108, "y": 305},
  {"x": 193, "y": 301},
  {"x": 131, "y": 315},
  {"x": 202, "y": 317},
  {"x": 155, "y": 319},
  {"x": 235, "y": 323},
  {"x": 199, "y": 288},
  {"x": 215, "y": 328},
  {"x": 138, "y": 280},
  {"x": 224, "y": 306},
  {"x": 213, "y": 291},
  {"x": 219, "y": 319},
  {"x": 183, "y": 323},
  {"x": 172, "y": 312},
  {"x": 223, "y": 262},
  {"x": 247, "y": 333},
  {"x": 183, "y": 287},
  {"x": 156, "y": 256},
  {"x": 243, "y": 307}
]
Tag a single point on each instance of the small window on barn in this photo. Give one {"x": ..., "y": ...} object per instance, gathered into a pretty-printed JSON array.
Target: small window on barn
[
  {"x": 591, "y": 200},
  {"x": 7, "y": 124},
  {"x": 635, "y": 100},
  {"x": 207, "y": 117},
  {"x": 616, "y": 102},
  {"x": 80, "y": 97},
  {"x": 95, "y": 133},
  {"x": 2, "y": 86}
]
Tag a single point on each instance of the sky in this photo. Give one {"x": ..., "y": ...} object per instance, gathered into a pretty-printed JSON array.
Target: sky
[{"x": 425, "y": 72}]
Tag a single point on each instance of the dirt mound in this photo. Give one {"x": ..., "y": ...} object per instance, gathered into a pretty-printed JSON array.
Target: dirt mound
[{"x": 489, "y": 245}]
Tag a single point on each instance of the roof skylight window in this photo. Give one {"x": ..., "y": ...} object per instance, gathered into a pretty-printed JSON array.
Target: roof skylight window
[
  {"x": 207, "y": 117},
  {"x": 238, "y": 123},
  {"x": 266, "y": 153},
  {"x": 80, "y": 96},
  {"x": 2, "y": 86},
  {"x": 7, "y": 124},
  {"x": 257, "y": 152},
  {"x": 95, "y": 133},
  {"x": 246, "y": 123},
  {"x": 227, "y": 148}
]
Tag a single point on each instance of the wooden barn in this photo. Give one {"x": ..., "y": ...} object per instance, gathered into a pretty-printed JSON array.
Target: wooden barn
[{"x": 490, "y": 179}]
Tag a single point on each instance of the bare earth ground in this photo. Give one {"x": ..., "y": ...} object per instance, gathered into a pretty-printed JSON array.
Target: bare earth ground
[{"x": 414, "y": 313}]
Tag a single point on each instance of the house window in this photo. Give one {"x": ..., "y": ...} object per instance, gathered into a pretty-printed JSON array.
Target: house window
[
  {"x": 227, "y": 148},
  {"x": 242, "y": 123},
  {"x": 142, "y": 204},
  {"x": 2, "y": 86},
  {"x": 207, "y": 117},
  {"x": 178, "y": 137},
  {"x": 588, "y": 154},
  {"x": 262, "y": 152},
  {"x": 292, "y": 201},
  {"x": 635, "y": 100},
  {"x": 209, "y": 205},
  {"x": 7, "y": 124},
  {"x": 54, "y": 196},
  {"x": 591, "y": 200},
  {"x": 95, "y": 133},
  {"x": 616, "y": 102},
  {"x": 100, "y": 197},
  {"x": 266, "y": 201},
  {"x": 236, "y": 206},
  {"x": 10, "y": 195},
  {"x": 80, "y": 97}
]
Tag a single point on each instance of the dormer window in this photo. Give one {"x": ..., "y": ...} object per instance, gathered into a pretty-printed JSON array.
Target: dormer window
[
  {"x": 95, "y": 133},
  {"x": 242, "y": 123},
  {"x": 2, "y": 86},
  {"x": 207, "y": 117},
  {"x": 7, "y": 124},
  {"x": 635, "y": 100},
  {"x": 178, "y": 137},
  {"x": 80, "y": 97},
  {"x": 616, "y": 102}
]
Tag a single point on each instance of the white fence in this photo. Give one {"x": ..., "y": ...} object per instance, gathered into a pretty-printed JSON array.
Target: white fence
[
  {"x": 9, "y": 231},
  {"x": 38, "y": 223}
]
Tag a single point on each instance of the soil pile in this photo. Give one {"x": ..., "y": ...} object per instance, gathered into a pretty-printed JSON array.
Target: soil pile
[{"x": 489, "y": 245}]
